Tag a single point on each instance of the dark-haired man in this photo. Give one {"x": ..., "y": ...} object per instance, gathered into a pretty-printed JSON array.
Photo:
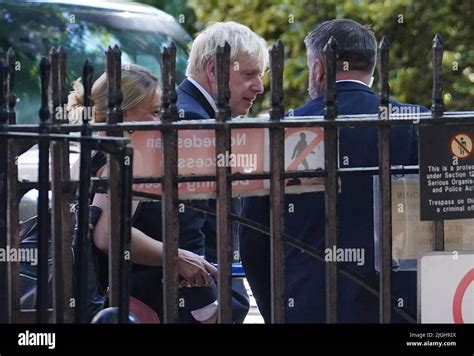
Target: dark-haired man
[{"x": 305, "y": 276}]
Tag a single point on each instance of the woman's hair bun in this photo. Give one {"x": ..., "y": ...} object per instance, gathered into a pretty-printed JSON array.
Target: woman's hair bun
[{"x": 75, "y": 102}]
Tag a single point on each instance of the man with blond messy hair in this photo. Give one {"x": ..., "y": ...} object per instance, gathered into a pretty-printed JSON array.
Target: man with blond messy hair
[
  {"x": 248, "y": 59},
  {"x": 197, "y": 96}
]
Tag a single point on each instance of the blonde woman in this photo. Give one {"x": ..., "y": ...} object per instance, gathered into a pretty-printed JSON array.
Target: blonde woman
[{"x": 141, "y": 102}]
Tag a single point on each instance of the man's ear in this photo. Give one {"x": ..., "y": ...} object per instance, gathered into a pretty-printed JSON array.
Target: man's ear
[
  {"x": 319, "y": 70},
  {"x": 210, "y": 69}
]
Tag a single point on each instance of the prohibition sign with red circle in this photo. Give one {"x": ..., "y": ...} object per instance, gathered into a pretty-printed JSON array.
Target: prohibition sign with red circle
[
  {"x": 461, "y": 145},
  {"x": 459, "y": 296}
]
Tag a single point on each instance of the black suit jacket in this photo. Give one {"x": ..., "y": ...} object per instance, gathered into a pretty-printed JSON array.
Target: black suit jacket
[
  {"x": 193, "y": 105},
  {"x": 305, "y": 276}
]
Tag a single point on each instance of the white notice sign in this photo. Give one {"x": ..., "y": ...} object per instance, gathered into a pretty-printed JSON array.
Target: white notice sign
[{"x": 446, "y": 287}]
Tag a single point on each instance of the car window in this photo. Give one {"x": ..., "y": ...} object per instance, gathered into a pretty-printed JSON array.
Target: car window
[{"x": 85, "y": 33}]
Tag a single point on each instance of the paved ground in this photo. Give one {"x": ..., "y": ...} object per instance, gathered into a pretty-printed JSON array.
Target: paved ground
[{"x": 253, "y": 317}]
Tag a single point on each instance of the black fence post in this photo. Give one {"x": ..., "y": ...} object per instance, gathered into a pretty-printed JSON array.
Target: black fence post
[
  {"x": 54, "y": 87},
  {"x": 11, "y": 58},
  {"x": 385, "y": 187},
  {"x": 169, "y": 207},
  {"x": 114, "y": 116},
  {"x": 44, "y": 221},
  {"x": 277, "y": 186},
  {"x": 61, "y": 196},
  {"x": 56, "y": 188},
  {"x": 437, "y": 109},
  {"x": 13, "y": 191},
  {"x": 83, "y": 230},
  {"x": 5, "y": 297},
  {"x": 330, "y": 163},
  {"x": 126, "y": 179},
  {"x": 224, "y": 187},
  {"x": 67, "y": 227}
]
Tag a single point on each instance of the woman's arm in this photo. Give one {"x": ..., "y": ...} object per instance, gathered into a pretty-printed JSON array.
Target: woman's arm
[
  {"x": 145, "y": 250},
  {"x": 148, "y": 251}
]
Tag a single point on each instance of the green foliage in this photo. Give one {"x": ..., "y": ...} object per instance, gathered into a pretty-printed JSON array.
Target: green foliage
[
  {"x": 178, "y": 9},
  {"x": 409, "y": 25}
]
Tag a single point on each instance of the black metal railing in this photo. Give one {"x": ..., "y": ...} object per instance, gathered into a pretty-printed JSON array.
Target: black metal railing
[
  {"x": 55, "y": 132},
  {"x": 67, "y": 307}
]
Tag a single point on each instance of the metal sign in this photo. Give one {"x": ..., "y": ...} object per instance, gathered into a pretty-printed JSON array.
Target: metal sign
[
  {"x": 446, "y": 172},
  {"x": 304, "y": 149},
  {"x": 445, "y": 287},
  {"x": 410, "y": 236}
]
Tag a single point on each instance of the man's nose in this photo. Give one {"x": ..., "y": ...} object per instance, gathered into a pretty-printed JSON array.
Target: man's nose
[{"x": 257, "y": 85}]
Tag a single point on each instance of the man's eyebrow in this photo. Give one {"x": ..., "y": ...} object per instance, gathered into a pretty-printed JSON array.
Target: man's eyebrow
[{"x": 252, "y": 71}]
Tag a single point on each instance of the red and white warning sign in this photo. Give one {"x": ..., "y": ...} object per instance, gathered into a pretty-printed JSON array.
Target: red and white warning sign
[
  {"x": 446, "y": 287},
  {"x": 196, "y": 155},
  {"x": 304, "y": 150},
  {"x": 461, "y": 145}
]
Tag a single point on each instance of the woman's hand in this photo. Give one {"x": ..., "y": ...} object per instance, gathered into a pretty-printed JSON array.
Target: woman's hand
[{"x": 195, "y": 270}]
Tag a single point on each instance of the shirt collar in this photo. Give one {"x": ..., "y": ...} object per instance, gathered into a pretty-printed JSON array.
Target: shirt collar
[
  {"x": 352, "y": 80},
  {"x": 204, "y": 92}
]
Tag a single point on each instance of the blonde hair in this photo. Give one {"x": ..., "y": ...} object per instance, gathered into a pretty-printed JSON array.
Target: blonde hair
[
  {"x": 242, "y": 41},
  {"x": 137, "y": 83}
]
